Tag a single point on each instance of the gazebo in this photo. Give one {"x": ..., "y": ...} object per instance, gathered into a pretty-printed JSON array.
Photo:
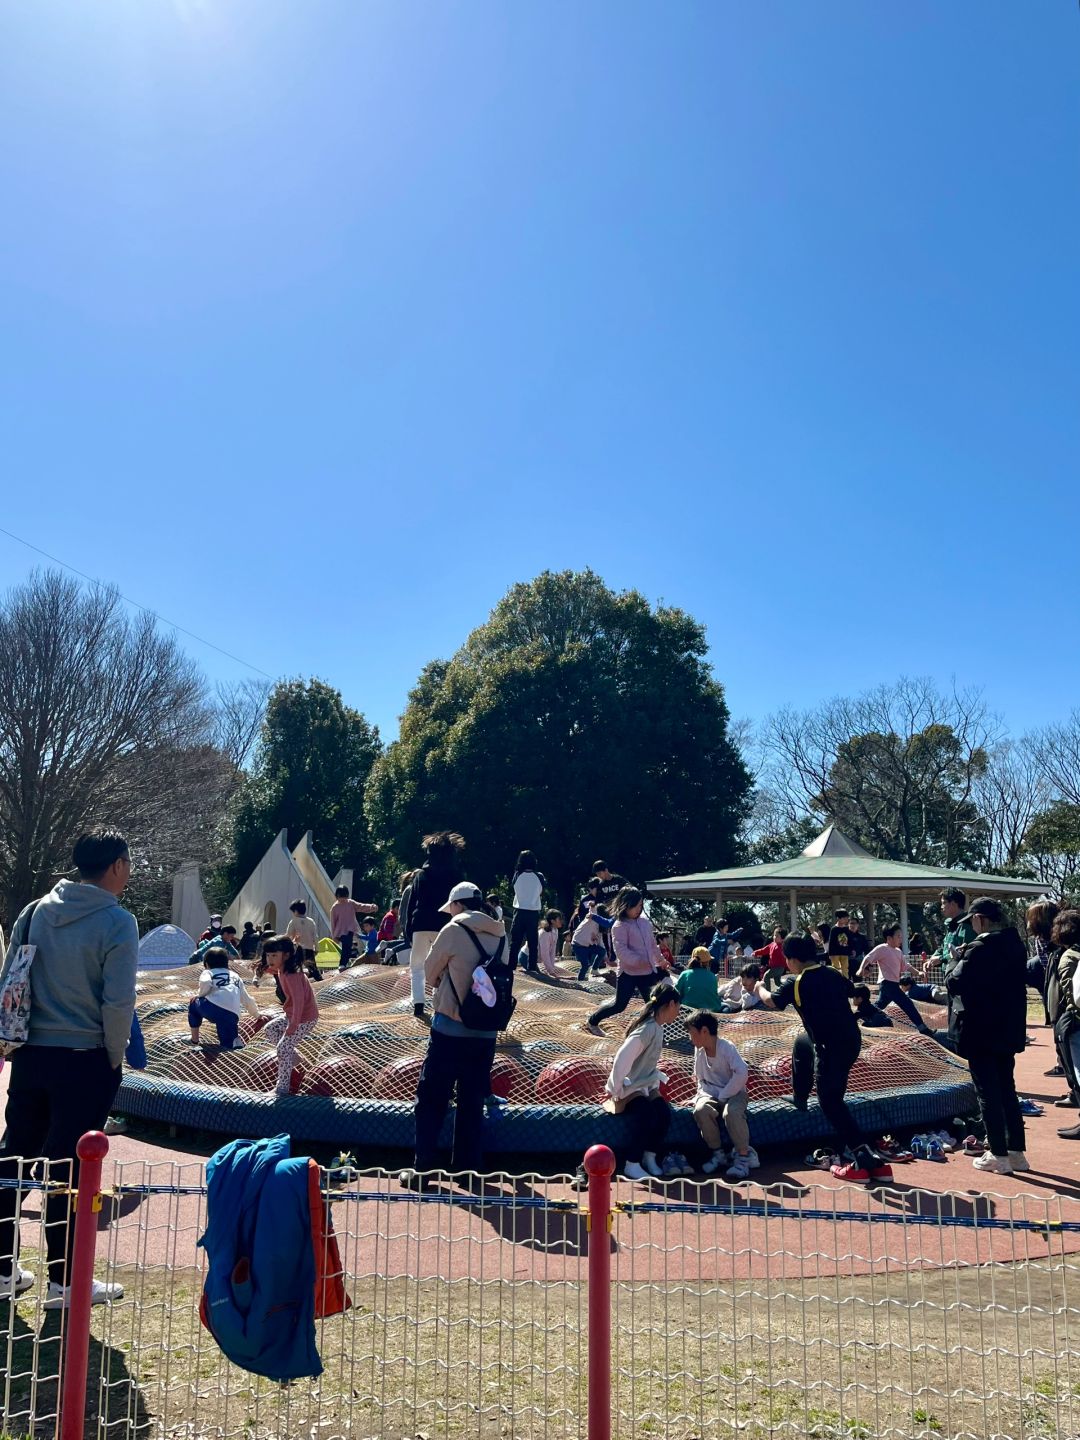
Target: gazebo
[{"x": 834, "y": 869}]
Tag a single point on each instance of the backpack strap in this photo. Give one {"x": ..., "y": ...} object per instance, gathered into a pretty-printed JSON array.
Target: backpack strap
[{"x": 485, "y": 958}]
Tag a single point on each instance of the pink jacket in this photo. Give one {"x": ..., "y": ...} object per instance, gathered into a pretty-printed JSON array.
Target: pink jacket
[{"x": 635, "y": 946}]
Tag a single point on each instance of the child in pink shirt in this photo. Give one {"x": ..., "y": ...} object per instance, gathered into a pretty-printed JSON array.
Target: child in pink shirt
[{"x": 282, "y": 959}]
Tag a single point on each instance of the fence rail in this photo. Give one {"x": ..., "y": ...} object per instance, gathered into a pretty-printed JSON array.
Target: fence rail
[{"x": 521, "y": 1308}]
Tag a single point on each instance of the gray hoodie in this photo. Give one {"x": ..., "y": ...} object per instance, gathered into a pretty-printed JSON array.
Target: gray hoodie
[{"x": 82, "y": 981}]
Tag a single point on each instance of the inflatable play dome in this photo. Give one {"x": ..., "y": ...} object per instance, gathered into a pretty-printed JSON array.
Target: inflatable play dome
[
  {"x": 356, "y": 1078},
  {"x": 165, "y": 948}
]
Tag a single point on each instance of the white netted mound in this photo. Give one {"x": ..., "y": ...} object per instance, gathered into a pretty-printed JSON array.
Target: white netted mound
[{"x": 368, "y": 1045}]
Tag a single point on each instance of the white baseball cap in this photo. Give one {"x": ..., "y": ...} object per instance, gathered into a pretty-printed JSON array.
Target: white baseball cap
[{"x": 464, "y": 892}]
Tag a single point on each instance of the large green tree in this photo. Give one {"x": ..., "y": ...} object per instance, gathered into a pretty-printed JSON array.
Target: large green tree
[
  {"x": 577, "y": 722},
  {"x": 311, "y": 764}
]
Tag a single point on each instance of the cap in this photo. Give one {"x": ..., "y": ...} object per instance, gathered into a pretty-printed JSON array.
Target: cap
[
  {"x": 462, "y": 892},
  {"x": 215, "y": 917}
]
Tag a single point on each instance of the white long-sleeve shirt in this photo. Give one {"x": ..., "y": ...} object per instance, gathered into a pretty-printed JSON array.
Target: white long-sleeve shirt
[
  {"x": 734, "y": 994},
  {"x": 721, "y": 1075},
  {"x": 528, "y": 891},
  {"x": 227, "y": 991}
]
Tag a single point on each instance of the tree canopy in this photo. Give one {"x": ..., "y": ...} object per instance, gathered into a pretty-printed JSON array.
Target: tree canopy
[
  {"x": 312, "y": 761},
  {"x": 577, "y": 722}
]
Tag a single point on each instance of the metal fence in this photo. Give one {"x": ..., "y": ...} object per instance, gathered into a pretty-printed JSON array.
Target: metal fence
[{"x": 733, "y": 1311}]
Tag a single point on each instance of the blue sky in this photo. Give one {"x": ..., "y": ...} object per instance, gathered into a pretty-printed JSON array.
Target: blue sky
[{"x": 324, "y": 321}]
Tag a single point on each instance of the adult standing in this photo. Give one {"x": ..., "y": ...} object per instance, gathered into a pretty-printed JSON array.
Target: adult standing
[
  {"x": 637, "y": 956},
  {"x": 959, "y": 930},
  {"x": 528, "y": 887},
  {"x": 1063, "y": 1001},
  {"x": 821, "y": 996},
  {"x": 988, "y": 1024},
  {"x": 64, "y": 1079},
  {"x": 459, "y": 1058},
  {"x": 425, "y": 917}
]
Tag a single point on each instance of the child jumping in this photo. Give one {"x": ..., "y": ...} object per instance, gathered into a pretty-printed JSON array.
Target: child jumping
[
  {"x": 222, "y": 995},
  {"x": 282, "y": 959}
]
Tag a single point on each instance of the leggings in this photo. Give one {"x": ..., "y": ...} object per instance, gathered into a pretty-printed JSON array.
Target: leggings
[
  {"x": 286, "y": 1048},
  {"x": 525, "y": 929},
  {"x": 625, "y": 988}
]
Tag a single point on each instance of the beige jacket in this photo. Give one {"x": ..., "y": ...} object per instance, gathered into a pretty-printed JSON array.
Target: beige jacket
[{"x": 455, "y": 953}]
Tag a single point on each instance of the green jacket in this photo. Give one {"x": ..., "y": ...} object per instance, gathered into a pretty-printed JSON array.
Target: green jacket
[{"x": 957, "y": 932}]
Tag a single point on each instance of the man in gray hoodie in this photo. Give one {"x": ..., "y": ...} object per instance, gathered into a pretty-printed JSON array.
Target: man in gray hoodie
[{"x": 64, "y": 1079}]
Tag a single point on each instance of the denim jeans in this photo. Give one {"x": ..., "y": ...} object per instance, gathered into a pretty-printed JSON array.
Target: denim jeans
[
  {"x": 588, "y": 957},
  {"x": 203, "y": 1008}
]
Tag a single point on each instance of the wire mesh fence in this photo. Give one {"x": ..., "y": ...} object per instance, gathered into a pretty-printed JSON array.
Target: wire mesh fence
[{"x": 735, "y": 1312}]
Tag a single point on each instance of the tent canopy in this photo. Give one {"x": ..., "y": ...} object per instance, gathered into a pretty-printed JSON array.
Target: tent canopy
[{"x": 834, "y": 867}]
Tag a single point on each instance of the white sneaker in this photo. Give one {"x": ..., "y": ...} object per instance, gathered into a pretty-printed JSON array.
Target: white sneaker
[
  {"x": 16, "y": 1282},
  {"x": 715, "y": 1160},
  {"x": 633, "y": 1171},
  {"x": 1019, "y": 1161},
  {"x": 739, "y": 1169},
  {"x": 115, "y": 1125},
  {"x": 59, "y": 1296},
  {"x": 650, "y": 1163},
  {"x": 994, "y": 1164},
  {"x": 752, "y": 1159}
]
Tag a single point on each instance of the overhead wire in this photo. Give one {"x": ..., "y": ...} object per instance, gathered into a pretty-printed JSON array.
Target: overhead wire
[{"x": 144, "y": 608}]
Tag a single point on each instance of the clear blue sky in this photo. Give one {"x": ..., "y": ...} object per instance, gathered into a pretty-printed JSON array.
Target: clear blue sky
[{"x": 324, "y": 321}]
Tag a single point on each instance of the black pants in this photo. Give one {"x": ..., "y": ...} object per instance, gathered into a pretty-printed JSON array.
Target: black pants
[
  {"x": 524, "y": 932},
  {"x": 830, "y": 1066},
  {"x": 54, "y": 1097},
  {"x": 649, "y": 1116},
  {"x": 892, "y": 993},
  {"x": 626, "y": 986},
  {"x": 995, "y": 1084},
  {"x": 346, "y": 949},
  {"x": 465, "y": 1063}
]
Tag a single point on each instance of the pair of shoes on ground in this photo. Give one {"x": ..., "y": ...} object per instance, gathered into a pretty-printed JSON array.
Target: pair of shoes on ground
[
  {"x": 676, "y": 1165},
  {"x": 734, "y": 1165},
  {"x": 863, "y": 1167},
  {"x": 648, "y": 1168},
  {"x": 17, "y": 1281},
  {"x": 1014, "y": 1163}
]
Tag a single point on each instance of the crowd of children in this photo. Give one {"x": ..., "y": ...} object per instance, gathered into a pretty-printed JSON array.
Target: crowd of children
[{"x": 822, "y": 975}]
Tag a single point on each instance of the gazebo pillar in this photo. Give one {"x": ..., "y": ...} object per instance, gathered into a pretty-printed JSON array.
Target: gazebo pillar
[
  {"x": 868, "y": 913},
  {"x": 903, "y": 921},
  {"x": 719, "y": 905},
  {"x": 793, "y": 910}
]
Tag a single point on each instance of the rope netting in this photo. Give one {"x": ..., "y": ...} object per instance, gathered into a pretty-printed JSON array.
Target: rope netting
[{"x": 369, "y": 1045}]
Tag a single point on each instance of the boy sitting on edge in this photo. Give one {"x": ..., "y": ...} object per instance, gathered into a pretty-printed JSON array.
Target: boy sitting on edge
[
  {"x": 866, "y": 1012},
  {"x": 721, "y": 1075},
  {"x": 222, "y": 995}
]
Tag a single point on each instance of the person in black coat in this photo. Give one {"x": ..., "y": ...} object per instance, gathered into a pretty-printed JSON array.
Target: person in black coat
[
  {"x": 424, "y": 918},
  {"x": 988, "y": 1026}
]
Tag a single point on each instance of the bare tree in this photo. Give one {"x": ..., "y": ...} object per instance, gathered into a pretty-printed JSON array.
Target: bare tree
[
  {"x": 1057, "y": 750},
  {"x": 97, "y": 712},
  {"x": 897, "y": 767},
  {"x": 1009, "y": 794},
  {"x": 241, "y": 707}
]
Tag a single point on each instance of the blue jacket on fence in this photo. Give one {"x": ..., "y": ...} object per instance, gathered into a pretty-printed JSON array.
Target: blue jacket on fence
[{"x": 259, "y": 1295}]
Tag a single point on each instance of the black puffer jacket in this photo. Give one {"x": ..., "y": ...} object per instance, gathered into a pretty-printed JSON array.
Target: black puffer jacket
[
  {"x": 988, "y": 995},
  {"x": 430, "y": 889}
]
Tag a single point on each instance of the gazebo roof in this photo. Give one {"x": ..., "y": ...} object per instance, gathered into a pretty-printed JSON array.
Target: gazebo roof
[{"x": 835, "y": 864}]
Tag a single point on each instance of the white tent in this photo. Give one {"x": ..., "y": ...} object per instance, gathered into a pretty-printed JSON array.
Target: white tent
[{"x": 165, "y": 948}]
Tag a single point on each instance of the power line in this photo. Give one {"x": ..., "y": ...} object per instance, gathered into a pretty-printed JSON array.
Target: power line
[{"x": 144, "y": 608}]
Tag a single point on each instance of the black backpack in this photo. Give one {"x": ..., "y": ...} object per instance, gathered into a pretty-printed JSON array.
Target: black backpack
[{"x": 474, "y": 1013}]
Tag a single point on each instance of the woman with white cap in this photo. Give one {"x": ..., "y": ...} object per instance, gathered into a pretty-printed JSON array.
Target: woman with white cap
[{"x": 467, "y": 970}]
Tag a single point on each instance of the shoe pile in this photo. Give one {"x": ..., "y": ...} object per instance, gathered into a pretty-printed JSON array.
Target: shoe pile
[{"x": 863, "y": 1167}]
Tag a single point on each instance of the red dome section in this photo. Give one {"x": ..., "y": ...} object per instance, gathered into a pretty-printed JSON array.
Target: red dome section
[
  {"x": 579, "y": 1079},
  {"x": 263, "y": 1073},
  {"x": 399, "y": 1079},
  {"x": 343, "y": 1076}
]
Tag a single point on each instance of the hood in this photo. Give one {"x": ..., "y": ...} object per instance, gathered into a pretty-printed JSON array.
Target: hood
[
  {"x": 71, "y": 900},
  {"x": 481, "y": 923}
]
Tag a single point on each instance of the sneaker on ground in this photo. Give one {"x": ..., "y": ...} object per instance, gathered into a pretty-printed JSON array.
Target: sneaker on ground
[
  {"x": 715, "y": 1160},
  {"x": 1029, "y": 1107},
  {"x": 993, "y": 1164},
  {"x": 1019, "y": 1161},
  {"x": 651, "y": 1164},
  {"x": 115, "y": 1125},
  {"x": 852, "y": 1170},
  {"x": 414, "y": 1180},
  {"x": 752, "y": 1157},
  {"x": 685, "y": 1168},
  {"x": 16, "y": 1282},
  {"x": 581, "y": 1179},
  {"x": 670, "y": 1168},
  {"x": 880, "y": 1169},
  {"x": 633, "y": 1171},
  {"x": 739, "y": 1169},
  {"x": 59, "y": 1296}
]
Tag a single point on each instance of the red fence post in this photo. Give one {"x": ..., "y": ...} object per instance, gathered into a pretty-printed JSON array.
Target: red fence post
[
  {"x": 599, "y": 1166},
  {"x": 91, "y": 1150}
]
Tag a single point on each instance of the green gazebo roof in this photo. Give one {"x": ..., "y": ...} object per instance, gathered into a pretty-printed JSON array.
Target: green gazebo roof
[{"x": 836, "y": 865}]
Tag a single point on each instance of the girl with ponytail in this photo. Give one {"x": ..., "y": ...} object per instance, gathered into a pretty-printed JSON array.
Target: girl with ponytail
[{"x": 634, "y": 1083}]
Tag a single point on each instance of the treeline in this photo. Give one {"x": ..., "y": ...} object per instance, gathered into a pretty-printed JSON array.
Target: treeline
[{"x": 576, "y": 721}]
